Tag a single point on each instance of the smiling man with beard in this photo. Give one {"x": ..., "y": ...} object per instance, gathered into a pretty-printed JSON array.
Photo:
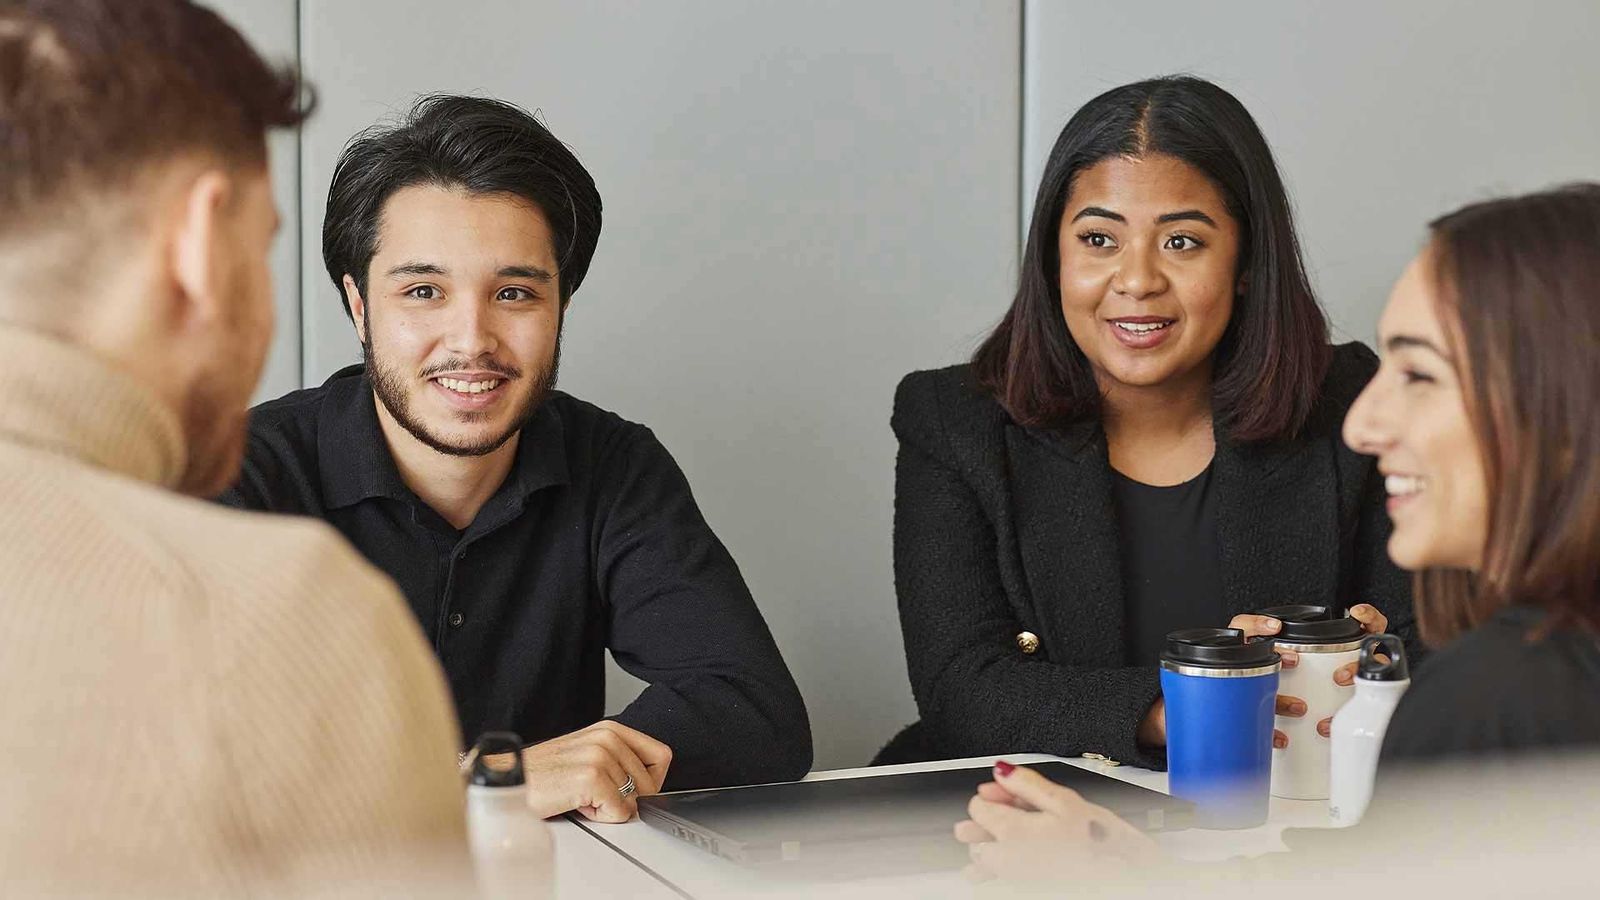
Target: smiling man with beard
[{"x": 530, "y": 531}]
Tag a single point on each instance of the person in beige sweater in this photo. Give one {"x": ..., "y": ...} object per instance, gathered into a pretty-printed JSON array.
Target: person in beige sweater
[{"x": 199, "y": 701}]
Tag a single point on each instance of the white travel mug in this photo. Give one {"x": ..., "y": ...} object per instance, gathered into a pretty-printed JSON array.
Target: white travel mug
[
  {"x": 1325, "y": 641},
  {"x": 1359, "y": 727}
]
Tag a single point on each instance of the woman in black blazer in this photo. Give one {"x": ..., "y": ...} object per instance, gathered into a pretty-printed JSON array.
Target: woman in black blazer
[
  {"x": 1485, "y": 419},
  {"x": 1148, "y": 441}
]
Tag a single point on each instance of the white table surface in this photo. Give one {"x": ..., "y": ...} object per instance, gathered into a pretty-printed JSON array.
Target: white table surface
[{"x": 635, "y": 860}]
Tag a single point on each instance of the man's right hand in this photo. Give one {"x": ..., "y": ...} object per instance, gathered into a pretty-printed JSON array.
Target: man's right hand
[{"x": 586, "y": 770}]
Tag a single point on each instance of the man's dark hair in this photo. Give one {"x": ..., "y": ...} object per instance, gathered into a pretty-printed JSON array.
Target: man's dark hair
[
  {"x": 1269, "y": 365},
  {"x": 93, "y": 93},
  {"x": 482, "y": 146}
]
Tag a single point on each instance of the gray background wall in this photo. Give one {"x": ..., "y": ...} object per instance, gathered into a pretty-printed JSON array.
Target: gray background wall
[
  {"x": 805, "y": 200},
  {"x": 1382, "y": 114},
  {"x": 274, "y": 29}
]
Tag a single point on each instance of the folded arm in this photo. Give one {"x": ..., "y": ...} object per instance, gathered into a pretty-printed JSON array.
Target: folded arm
[{"x": 682, "y": 619}]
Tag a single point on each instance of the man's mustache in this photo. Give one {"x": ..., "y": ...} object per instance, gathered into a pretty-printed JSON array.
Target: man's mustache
[{"x": 483, "y": 365}]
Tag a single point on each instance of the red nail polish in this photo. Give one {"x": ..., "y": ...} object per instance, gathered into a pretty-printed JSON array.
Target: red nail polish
[{"x": 1003, "y": 768}]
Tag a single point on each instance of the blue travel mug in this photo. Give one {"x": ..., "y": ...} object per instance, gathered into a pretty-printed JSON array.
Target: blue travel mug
[{"x": 1221, "y": 691}]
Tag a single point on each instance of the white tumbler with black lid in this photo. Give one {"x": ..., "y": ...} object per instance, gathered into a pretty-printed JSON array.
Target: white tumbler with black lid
[{"x": 1325, "y": 640}]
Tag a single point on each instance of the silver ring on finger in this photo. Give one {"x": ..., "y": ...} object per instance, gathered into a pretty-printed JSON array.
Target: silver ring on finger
[{"x": 628, "y": 787}]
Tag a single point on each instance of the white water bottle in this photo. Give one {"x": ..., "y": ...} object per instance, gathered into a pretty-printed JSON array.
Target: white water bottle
[
  {"x": 512, "y": 848},
  {"x": 1358, "y": 728}
]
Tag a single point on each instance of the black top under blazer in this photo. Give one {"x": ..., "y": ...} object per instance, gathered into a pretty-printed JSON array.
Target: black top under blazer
[{"x": 1001, "y": 529}]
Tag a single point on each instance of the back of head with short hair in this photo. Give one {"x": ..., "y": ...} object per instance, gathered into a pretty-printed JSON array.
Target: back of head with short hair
[
  {"x": 475, "y": 144},
  {"x": 94, "y": 95}
]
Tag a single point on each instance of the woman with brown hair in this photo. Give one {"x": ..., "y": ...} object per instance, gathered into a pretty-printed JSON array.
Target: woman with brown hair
[
  {"x": 1148, "y": 441},
  {"x": 1484, "y": 418}
]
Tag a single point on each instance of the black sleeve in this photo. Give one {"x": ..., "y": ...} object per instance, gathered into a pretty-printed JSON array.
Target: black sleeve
[
  {"x": 1497, "y": 693},
  {"x": 682, "y": 619},
  {"x": 976, "y": 693},
  {"x": 1436, "y": 721}
]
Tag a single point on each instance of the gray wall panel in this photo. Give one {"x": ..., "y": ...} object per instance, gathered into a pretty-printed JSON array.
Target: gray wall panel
[
  {"x": 803, "y": 202},
  {"x": 271, "y": 27},
  {"x": 1382, "y": 114}
]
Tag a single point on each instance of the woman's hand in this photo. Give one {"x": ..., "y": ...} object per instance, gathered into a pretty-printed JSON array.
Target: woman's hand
[
  {"x": 1153, "y": 727},
  {"x": 1025, "y": 827},
  {"x": 1266, "y": 626},
  {"x": 1372, "y": 622}
]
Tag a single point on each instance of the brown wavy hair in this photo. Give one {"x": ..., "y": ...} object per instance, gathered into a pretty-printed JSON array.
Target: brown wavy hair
[{"x": 1518, "y": 282}]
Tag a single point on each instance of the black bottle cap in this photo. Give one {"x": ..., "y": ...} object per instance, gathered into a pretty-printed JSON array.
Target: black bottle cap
[
  {"x": 1218, "y": 648},
  {"x": 1370, "y": 668},
  {"x": 1313, "y": 624},
  {"x": 497, "y": 760}
]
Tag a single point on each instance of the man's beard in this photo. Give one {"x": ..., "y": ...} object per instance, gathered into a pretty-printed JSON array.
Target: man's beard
[{"x": 390, "y": 388}]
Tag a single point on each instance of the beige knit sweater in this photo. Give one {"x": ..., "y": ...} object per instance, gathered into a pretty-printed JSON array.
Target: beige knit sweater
[{"x": 197, "y": 701}]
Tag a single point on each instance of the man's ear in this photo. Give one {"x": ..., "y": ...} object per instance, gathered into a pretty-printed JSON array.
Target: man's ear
[
  {"x": 358, "y": 308},
  {"x": 199, "y": 247}
]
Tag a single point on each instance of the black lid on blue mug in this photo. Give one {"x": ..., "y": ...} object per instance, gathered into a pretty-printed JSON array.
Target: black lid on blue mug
[
  {"x": 1304, "y": 624},
  {"x": 1218, "y": 648}
]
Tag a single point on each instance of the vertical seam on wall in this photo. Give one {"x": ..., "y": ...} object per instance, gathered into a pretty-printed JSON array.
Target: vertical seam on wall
[
  {"x": 1022, "y": 127},
  {"x": 299, "y": 207}
]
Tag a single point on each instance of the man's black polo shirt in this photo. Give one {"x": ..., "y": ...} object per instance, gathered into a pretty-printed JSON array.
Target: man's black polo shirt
[{"x": 593, "y": 541}]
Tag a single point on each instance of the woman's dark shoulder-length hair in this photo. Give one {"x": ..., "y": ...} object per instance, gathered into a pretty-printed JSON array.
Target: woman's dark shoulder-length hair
[
  {"x": 1516, "y": 281},
  {"x": 1269, "y": 365}
]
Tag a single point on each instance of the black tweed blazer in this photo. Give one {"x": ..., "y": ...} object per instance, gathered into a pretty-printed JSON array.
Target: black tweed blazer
[{"x": 1001, "y": 529}]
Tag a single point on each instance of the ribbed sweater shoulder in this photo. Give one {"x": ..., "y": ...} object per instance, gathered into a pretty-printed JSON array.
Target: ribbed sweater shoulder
[
  {"x": 237, "y": 696},
  {"x": 231, "y": 567}
]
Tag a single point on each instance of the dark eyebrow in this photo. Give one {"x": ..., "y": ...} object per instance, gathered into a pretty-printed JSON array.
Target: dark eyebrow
[
  {"x": 1102, "y": 212},
  {"x": 532, "y": 273},
  {"x": 1403, "y": 341},
  {"x": 1187, "y": 215},
  {"x": 415, "y": 268}
]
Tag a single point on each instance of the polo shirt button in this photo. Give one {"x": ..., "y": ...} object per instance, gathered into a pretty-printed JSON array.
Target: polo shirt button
[
  {"x": 456, "y": 619},
  {"x": 1028, "y": 642}
]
